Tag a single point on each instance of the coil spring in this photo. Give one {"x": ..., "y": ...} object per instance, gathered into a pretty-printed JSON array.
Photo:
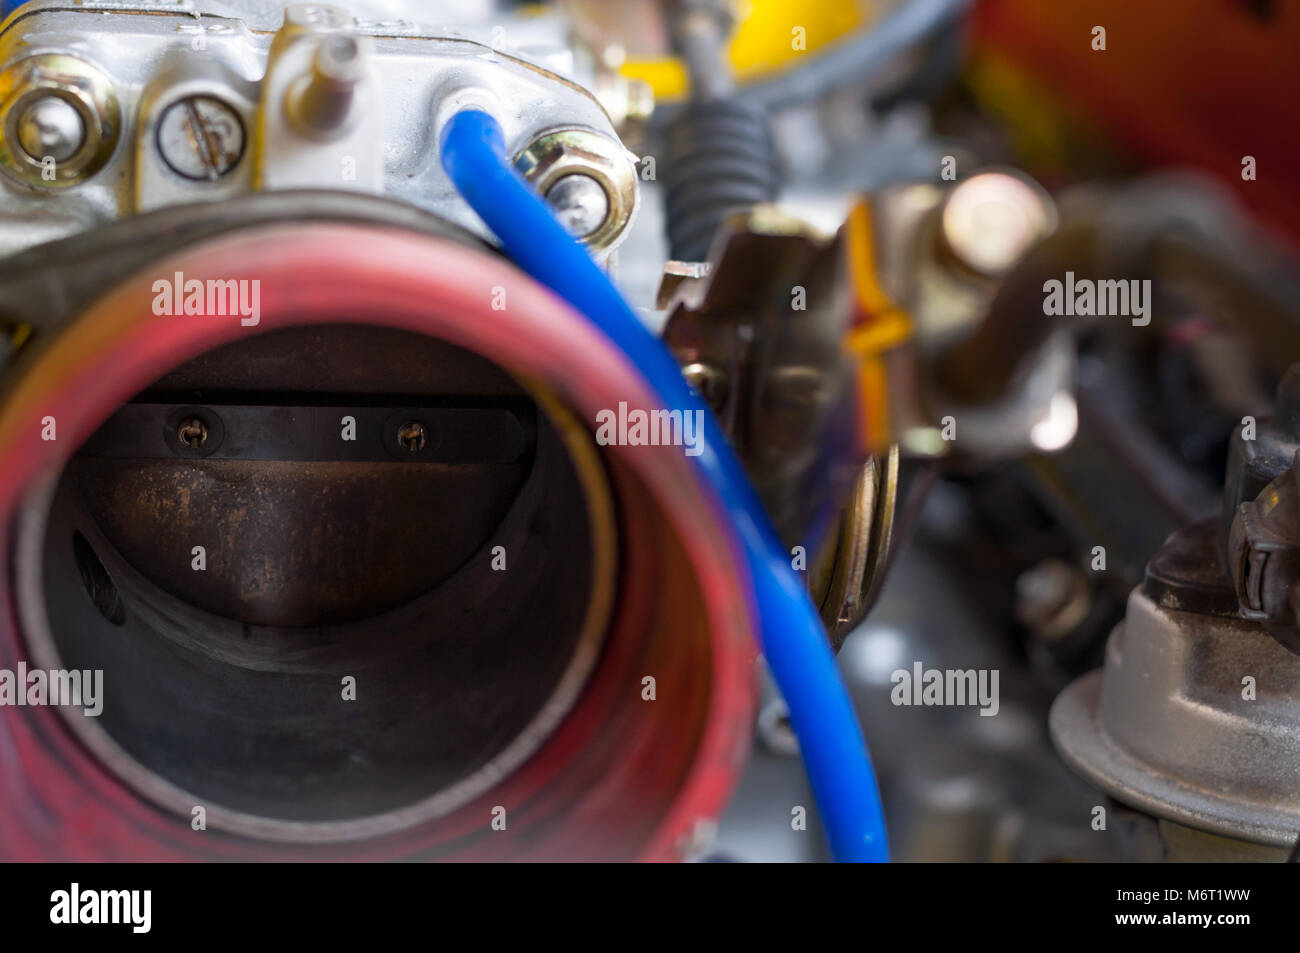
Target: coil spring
[{"x": 720, "y": 157}]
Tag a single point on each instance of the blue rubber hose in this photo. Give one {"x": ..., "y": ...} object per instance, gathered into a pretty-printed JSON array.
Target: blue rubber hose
[{"x": 793, "y": 641}]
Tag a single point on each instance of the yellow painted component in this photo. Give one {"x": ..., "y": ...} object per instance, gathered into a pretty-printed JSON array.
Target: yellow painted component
[
  {"x": 770, "y": 35},
  {"x": 1046, "y": 132},
  {"x": 881, "y": 328},
  {"x": 667, "y": 77}
]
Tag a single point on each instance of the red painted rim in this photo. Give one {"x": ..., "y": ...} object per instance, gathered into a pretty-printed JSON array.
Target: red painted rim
[{"x": 336, "y": 273}]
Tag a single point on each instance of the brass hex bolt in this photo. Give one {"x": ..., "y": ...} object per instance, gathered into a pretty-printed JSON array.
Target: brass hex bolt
[{"x": 588, "y": 178}]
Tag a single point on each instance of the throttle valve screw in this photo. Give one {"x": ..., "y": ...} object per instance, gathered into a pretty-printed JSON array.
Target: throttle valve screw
[
  {"x": 200, "y": 138},
  {"x": 411, "y": 436},
  {"x": 193, "y": 432}
]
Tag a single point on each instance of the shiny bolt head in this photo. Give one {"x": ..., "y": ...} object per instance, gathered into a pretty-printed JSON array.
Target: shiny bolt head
[
  {"x": 62, "y": 120},
  {"x": 192, "y": 433},
  {"x": 411, "y": 436},
  {"x": 709, "y": 381},
  {"x": 51, "y": 127},
  {"x": 580, "y": 203},
  {"x": 992, "y": 219},
  {"x": 588, "y": 178}
]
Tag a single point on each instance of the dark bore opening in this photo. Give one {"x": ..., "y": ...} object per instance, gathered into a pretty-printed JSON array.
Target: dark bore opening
[{"x": 327, "y": 573}]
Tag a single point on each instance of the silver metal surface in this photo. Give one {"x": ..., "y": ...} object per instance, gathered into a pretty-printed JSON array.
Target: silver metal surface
[
  {"x": 51, "y": 127},
  {"x": 153, "y": 53},
  {"x": 1166, "y": 726},
  {"x": 316, "y": 129},
  {"x": 580, "y": 203},
  {"x": 161, "y": 160}
]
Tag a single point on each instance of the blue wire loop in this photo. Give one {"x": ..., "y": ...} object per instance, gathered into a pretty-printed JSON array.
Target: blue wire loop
[{"x": 793, "y": 640}]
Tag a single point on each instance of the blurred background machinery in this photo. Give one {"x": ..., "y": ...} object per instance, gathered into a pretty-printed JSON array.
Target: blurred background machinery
[{"x": 1077, "y": 433}]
